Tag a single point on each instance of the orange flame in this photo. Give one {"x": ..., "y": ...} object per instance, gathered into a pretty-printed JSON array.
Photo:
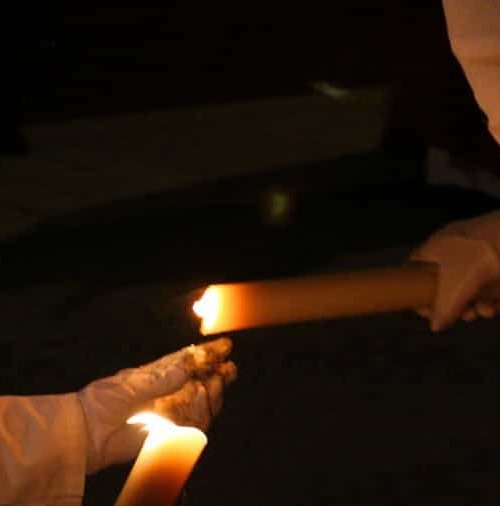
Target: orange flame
[
  {"x": 159, "y": 428},
  {"x": 207, "y": 308}
]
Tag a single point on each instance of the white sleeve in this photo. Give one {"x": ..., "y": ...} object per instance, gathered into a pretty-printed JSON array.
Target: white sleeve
[
  {"x": 42, "y": 450},
  {"x": 474, "y": 32}
]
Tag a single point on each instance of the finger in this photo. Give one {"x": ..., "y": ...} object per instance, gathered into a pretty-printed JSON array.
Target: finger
[
  {"x": 209, "y": 356},
  {"x": 459, "y": 285},
  {"x": 215, "y": 351},
  {"x": 228, "y": 372},
  {"x": 486, "y": 309},
  {"x": 469, "y": 315},
  {"x": 214, "y": 387},
  {"x": 195, "y": 360},
  {"x": 189, "y": 406},
  {"x": 202, "y": 415}
]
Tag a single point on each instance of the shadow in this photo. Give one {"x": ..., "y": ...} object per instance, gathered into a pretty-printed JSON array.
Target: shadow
[{"x": 299, "y": 215}]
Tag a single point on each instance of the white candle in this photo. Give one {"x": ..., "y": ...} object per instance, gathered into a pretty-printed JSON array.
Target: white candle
[
  {"x": 234, "y": 306},
  {"x": 164, "y": 464}
]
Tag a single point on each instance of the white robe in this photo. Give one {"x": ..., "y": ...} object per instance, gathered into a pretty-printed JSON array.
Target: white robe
[
  {"x": 474, "y": 32},
  {"x": 42, "y": 450}
]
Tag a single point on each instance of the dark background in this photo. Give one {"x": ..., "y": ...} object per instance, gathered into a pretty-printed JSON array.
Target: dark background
[
  {"x": 363, "y": 411},
  {"x": 66, "y": 60}
]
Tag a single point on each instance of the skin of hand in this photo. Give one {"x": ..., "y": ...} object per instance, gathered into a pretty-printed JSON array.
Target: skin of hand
[
  {"x": 468, "y": 255},
  {"x": 186, "y": 385},
  {"x": 199, "y": 401}
]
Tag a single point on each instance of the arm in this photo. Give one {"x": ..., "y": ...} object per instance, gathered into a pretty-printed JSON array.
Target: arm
[
  {"x": 48, "y": 444},
  {"x": 474, "y": 32},
  {"x": 468, "y": 252},
  {"x": 42, "y": 450}
]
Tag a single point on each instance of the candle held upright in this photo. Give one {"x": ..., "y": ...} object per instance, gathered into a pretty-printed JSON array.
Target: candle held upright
[{"x": 164, "y": 464}]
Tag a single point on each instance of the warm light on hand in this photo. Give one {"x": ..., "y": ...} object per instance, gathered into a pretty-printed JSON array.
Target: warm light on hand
[{"x": 159, "y": 428}]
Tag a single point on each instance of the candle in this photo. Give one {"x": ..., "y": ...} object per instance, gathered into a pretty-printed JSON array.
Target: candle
[
  {"x": 164, "y": 464},
  {"x": 236, "y": 306}
]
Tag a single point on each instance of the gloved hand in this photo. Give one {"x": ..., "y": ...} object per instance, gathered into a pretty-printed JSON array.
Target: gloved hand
[
  {"x": 187, "y": 385},
  {"x": 199, "y": 401},
  {"x": 468, "y": 255}
]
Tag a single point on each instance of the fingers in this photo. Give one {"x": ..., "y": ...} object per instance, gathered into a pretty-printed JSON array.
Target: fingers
[
  {"x": 480, "y": 309},
  {"x": 196, "y": 360},
  {"x": 214, "y": 387},
  {"x": 466, "y": 265},
  {"x": 227, "y": 371},
  {"x": 196, "y": 404},
  {"x": 486, "y": 309},
  {"x": 456, "y": 294},
  {"x": 201, "y": 397},
  {"x": 216, "y": 350},
  {"x": 209, "y": 356},
  {"x": 168, "y": 374},
  {"x": 198, "y": 401},
  {"x": 469, "y": 315},
  {"x": 187, "y": 386},
  {"x": 189, "y": 406}
]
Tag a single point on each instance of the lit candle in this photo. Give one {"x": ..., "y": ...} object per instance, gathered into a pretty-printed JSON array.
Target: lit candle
[
  {"x": 164, "y": 464},
  {"x": 236, "y": 306}
]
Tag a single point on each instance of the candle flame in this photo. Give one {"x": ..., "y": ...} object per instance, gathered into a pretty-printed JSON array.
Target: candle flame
[
  {"x": 207, "y": 308},
  {"x": 160, "y": 428}
]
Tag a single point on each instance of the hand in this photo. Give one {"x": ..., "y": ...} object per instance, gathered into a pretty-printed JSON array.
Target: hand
[
  {"x": 468, "y": 255},
  {"x": 199, "y": 401},
  {"x": 187, "y": 384}
]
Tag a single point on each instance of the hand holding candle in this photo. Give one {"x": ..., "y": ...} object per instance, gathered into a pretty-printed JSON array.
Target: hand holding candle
[
  {"x": 236, "y": 306},
  {"x": 468, "y": 255},
  {"x": 109, "y": 402}
]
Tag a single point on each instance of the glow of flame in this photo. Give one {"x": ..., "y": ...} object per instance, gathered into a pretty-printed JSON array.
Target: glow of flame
[
  {"x": 207, "y": 308},
  {"x": 159, "y": 428}
]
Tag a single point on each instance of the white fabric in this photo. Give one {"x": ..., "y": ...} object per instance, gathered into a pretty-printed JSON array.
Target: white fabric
[
  {"x": 474, "y": 32},
  {"x": 108, "y": 402},
  {"x": 42, "y": 450},
  {"x": 48, "y": 444}
]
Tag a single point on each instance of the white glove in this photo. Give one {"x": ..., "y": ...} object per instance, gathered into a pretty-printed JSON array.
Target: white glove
[
  {"x": 468, "y": 255},
  {"x": 199, "y": 400},
  {"x": 109, "y": 402}
]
